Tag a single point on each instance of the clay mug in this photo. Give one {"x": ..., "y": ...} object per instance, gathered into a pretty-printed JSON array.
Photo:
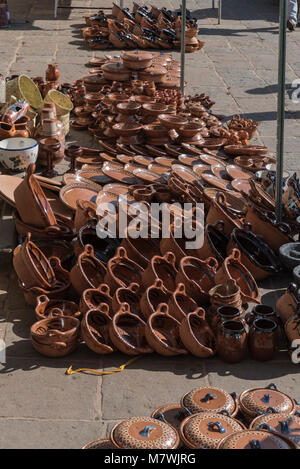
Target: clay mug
[
  {"x": 224, "y": 313},
  {"x": 232, "y": 341},
  {"x": 263, "y": 312},
  {"x": 262, "y": 339}
]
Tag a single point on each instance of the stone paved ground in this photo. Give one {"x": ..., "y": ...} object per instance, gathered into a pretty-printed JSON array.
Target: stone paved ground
[{"x": 40, "y": 406}]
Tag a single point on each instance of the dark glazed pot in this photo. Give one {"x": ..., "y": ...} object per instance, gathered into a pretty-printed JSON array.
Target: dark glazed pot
[
  {"x": 198, "y": 277},
  {"x": 224, "y": 313},
  {"x": 262, "y": 339},
  {"x": 232, "y": 341}
]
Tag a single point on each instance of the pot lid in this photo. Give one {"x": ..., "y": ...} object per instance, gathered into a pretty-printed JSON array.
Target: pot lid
[
  {"x": 285, "y": 424},
  {"x": 208, "y": 399},
  {"x": 206, "y": 429},
  {"x": 137, "y": 56},
  {"x": 255, "y": 439},
  {"x": 173, "y": 414},
  {"x": 154, "y": 70},
  {"x": 144, "y": 432},
  {"x": 100, "y": 444},
  {"x": 261, "y": 400},
  {"x": 114, "y": 67}
]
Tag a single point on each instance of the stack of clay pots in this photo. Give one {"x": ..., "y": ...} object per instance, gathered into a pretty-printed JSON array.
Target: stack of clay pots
[{"x": 211, "y": 418}]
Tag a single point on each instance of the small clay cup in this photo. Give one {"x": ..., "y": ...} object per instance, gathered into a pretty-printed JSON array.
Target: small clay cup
[
  {"x": 232, "y": 341},
  {"x": 224, "y": 313}
]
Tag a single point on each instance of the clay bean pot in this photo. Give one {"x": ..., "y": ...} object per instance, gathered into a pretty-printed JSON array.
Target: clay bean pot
[
  {"x": 161, "y": 267},
  {"x": 224, "y": 313},
  {"x": 173, "y": 414},
  {"x": 88, "y": 272},
  {"x": 30, "y": 194},
  {"x": 180, "y": 304},
  {"x": 127, "y": 332},
  {"x": 198, "y": 277},
  {"x": 255, "y": 439},
  {"x": 215, "y": 242},
  {"x": 256, "y": 255},
  {"x": 285, "y": 424},
  {"x": 255, "y": 402},
  {"x": 115, "y": 71},
  {"x": 162, "y": 333},
  {"x": 103, "y": 443},
  {"x": 138, "y": 60},
  {"x": 227, "y": 293},
  {"x": 94, "y": 330},
  {"x": 46, "y": 308},
  {"x": 154, "y": 73},
  {"x": 122, "y": 271},
  {"x": 219, "y": 211},
  {"x": 141, "y": 249},
  {"x": 232, "y": 268},
  {"x": 263, "y": 312},
  {"x": 93, "y": 298},
  {"x": 128, "y": 295},
  {"x": 152, "y": 297},
  {"x": 210, "y": 399},
  {"x": 262, "y": 339},
  {"x": 232, "y": 341},
  {"x": 289, "y": 303},
  {"x": 84, "y": 212},
  {"x": 196, "y": 335},
  {"x": 32, "y": 267}
]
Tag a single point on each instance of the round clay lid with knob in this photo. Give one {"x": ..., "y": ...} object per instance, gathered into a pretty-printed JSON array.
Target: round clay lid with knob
[
  {"x": 137, "y": 56},
  {"x": 285, "y": 424},
  {"x": 144, "y": 433},
  {"x": 206, "y": 429},
  {"x": 99, "y": 444},
  {"x": 173, "y": 414},
  {"x": 260, "y": 400},
  {"x": 114, "y": 67},
  {"x": 255, "y": 439},
  {"x": 208, "y": 399}
]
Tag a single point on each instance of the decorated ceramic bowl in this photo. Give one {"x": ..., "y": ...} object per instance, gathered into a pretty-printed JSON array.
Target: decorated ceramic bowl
[{"x": 17, "y": 153}]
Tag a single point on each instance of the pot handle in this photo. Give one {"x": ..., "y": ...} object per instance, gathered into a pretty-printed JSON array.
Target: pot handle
[
  {"x": 219, "y": 225},
  {"x": 88, "y": 251},
  {"x": 265, "y": 426},
  {"x": 208, "y": 397},
  {"x": 42, "y": 299},
  {"x": 212, "y": 262},
  {"x": 247, "y": 226},
  {"x": 134, "y": 287},
  {"x": 224, "y": 412},
  {"x": 124, "y": 308},
  {"x": 146, "y": 431},
  {"x": 180, "y": 289},
  {"x": 200, "y": 312},
  {"x": 255, "y": 444},
  {"x": 221, "y": 198},
  {"x": 162, "y": 309},
  {"x": 104, "y": 288},
  {"x": 170, "y": 258},
  {"x": 249, "y": 318},
  {"x": 158, "y": 283},
  {"x": 236, "y": 254},
  {"x": 121, "y": 252},
  {"x": 160, "y": 416},
  {"x": 216, "y": 426},
  {"x": 272, "y": 386},
  {"x": 284, "y": 424},
  {"x": 56, "y": 312}
]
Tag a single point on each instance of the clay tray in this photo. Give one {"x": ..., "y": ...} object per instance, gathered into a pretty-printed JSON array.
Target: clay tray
[{"x": 77, "y": 191}]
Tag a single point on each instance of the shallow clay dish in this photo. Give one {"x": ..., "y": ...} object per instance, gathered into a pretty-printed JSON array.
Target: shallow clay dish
[
  {"x": 146, "y": 175},
  {"x": 117, "y": 172},
  {"x": 184, "y": 172},
  {"x": 76, "y": 191},
  {"x": 241, "y": 185},
  {"x": 200, "y": 168},
  {"x": 115, "y": 188},
  {"x": 188, "y": 160},
  {"x": 158, "y": 168},
  {"x": 143, "y": 160},
  {"x": 236, "y": 172},
  {"x": 219, "y": 170},
  {"x": 216, "y": 182},
  {"x": 95, "y": 175},
  {"x": 209, "y": 159}
]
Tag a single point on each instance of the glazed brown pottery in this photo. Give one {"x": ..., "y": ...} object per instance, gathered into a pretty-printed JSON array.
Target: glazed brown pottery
[
  {"x": 263, "y": 312},
  {"x": 122, "y": 271},
  {"x": 255, "y": 402},
  {"x": 152, "y": 297},
  {"x": 206, "y": 429},
  {"x": 285, "y": 424},
  {"x": 224, "y": 313},
  {"x": 141, "y": 249},
  {"x": 198, "y": 277},
  {"x": 93, "y": 298},
  {"x": 262, "y": 339},
  {"x": 84, "y": 212},
  {"x": 46, "y": 307},
  {"x": 219, "y": 211},
  {"x": 227, "y": 293},
  {"x": 161, "y": 267},
  {"x": 180, "y": 304},
  {"x": 289, "y": 303},
  {"x": 255, "y": 439},
  {"x": 215, "y": 242},
  {"x": 88, "y": 272},
  {"x": 232, "y": 268},
  {"x": 232, "y": 341},
  {"x": 127, "y": 332},
  {"x": 256, "y": 255},
  {"x": 210, "y": 399},
  {"x": 144, "y": 433},
  {"x": 128, "y": 295},
  {"x": 55, "y": 336},
  {"x": 162, "y": 333},
  {"x": 197, "y": 336},
  {"x": 94, "y": 330}
]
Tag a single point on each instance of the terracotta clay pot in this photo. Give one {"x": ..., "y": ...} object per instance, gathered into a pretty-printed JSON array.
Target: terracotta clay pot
[
  {"x": 55, "y": 337},
  {"x": 198, "y": 277},
  {"x": 152, "y": 297},
  {"x": 141, "y": 249},
  {"x": 197, "y": 336},
  {"x": 256, "y": 255},
  {"x": 46, "y": 307},
  {"x": 62, "y": 230},
  {"x": 263, "y": 312},
  {"x": 94, "y": 330},
  {"x": 289, "y": 303},
  {"x": 127, "y": 332},
  {"x": 180, "y": 304},
  {"x": 232, "y": 341},
  {"x": 162, "y": 333},
  {"x": 128, "y": 295},
  {"x": 224, "y": 313},
  {"x": 232, "y": 268},
  {"x": 255, "y": 439},
  {"x": 285, "y": 424},
  {"x": 177, "y": 245},
  {"x": 161, "y": 268},
  {"x": 122, "y": 271},
  {"x": 88, "y": 272},
  {"x": 262, "y": 339},
  {"x": 52, "y": 72},
  {"x": 210, "y": 399},
  {"x": 219, "y": 211},
  {"x": 227, "y": 293},
  {"x": 93, "y": 298},
  {"x": 103, "y": 443},
  {"x": 32, "y": 267},
  {"x": 215, "y": 242}
]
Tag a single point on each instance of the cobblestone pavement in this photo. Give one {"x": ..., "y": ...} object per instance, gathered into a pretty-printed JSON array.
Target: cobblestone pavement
[{"x": 40, "y": 406}]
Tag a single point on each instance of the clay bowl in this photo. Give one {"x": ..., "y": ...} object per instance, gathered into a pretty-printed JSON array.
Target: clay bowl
[
  {"x": 46, "y": 308},
  {"x": 122, "y": 271},
  {"x": 127, "y": 129},
  {"x": 116, "y": 98},
  {"x": 189, "y": 130},
  {"x": 55, "y": 329},
  {"x": 127, "y": 332},
  {"x": 162, "y": 333},
  {"x": 129, "y": 108},
  {"x": 154, "y": 109},
  {"x": 152, "y": 297},
  {"x": 88, "y": 272},
  {"x": 141, "y": 249},
  {"x": 161, "y": 268},
  {"x": 197, "y": 336},
  {"x": 129, "y": 295},
  {"x": 94, "y": 330},
  {"x": 115, "y": 71},
  {"x": 180, "y": 304},
  {"x": 215, "y": 242},
  {"x": 155, "y": 131},
  {"x": 143, "y": 99},
  {"x": 93, "y": 298},
  {"x": 172, "y": 122}
]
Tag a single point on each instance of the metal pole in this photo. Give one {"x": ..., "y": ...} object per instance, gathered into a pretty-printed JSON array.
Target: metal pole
[
  {"x": 183, "y": 21},
  {"x": 280, "y": 107},
  {"x": 220, "y": 12},
  {"x": 121, "y": 3}
]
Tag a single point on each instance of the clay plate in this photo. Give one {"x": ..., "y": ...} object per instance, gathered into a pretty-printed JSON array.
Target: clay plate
[
  {"x": 155, "y": 151},
  {"x": 95, "y": 175},
  {"x": 241, "y": 185},
  {"x": 208, "y": 159},
  {"x": 219, "y": 170},
  {"x": 107, "y": 147},
  {"x": 188, "y": 160},
  {"x": 116, "y": 188},
  {"x": 200, "y": 168},
  {"x": 117, "y": 172},
  {"x": 143, "y": 160},
  {"x": 146, "y": 175},
  {"x": 158, "y": 169},
  {"x": 165, "y": 161},
  {"x": 76, "y": 191},
  {"x": 216, "y": 182},
  {"x": 123, "y": 159},
  {"x": 183, "y": 171},
  {"x": 235, "y": 172}
]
